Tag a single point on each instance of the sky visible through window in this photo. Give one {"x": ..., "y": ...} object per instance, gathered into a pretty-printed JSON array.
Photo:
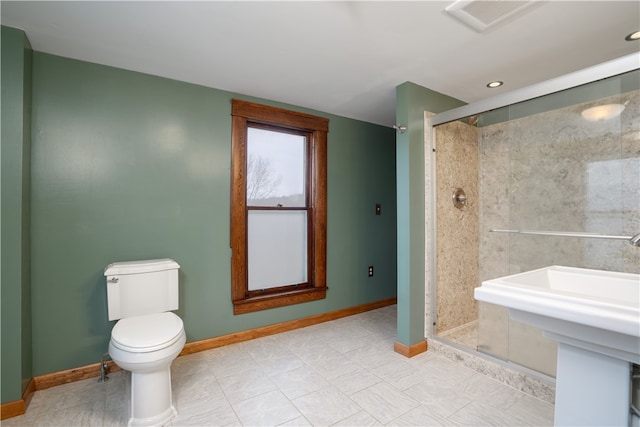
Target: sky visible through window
[{"x": 284, "y": 155}]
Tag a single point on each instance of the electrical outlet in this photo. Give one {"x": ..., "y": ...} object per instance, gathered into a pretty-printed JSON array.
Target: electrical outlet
[{"x": 371, "y": 271}]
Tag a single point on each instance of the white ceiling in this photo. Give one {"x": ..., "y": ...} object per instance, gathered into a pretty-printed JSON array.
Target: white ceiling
[{"x": 344, "y": 58}]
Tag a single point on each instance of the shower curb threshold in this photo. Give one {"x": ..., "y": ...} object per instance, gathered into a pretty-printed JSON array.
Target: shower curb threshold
[{"x": 525, "y": 380}]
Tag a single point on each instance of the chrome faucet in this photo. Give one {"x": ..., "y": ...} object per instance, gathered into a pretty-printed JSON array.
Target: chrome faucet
[{"x": 635, "y": 240}]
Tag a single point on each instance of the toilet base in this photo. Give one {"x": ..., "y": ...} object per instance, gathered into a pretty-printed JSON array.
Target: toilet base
[
  {"x": 160, "y": 420},
  {"x": 151, "y": 402}
]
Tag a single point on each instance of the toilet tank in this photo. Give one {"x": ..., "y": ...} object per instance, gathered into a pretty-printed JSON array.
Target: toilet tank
[{"x": 136, "y": 288}]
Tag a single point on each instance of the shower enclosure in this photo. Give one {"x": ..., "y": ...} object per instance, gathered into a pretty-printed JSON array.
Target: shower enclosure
[{"x": 568, "y": 161}]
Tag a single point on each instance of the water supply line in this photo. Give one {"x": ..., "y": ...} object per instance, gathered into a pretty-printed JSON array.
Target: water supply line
[{"x": 104, "y": 368}]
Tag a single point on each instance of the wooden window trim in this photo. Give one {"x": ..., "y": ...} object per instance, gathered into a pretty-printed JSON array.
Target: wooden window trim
[{"x": 243, "y": 114}]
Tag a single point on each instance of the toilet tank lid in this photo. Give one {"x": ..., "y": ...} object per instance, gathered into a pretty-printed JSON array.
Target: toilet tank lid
[{"x": 137, "y": 267}]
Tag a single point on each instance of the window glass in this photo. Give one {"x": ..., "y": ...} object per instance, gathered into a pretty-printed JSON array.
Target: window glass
[
  {"x": 275, "y": 168},
  {"x": 277, "y": 248}
]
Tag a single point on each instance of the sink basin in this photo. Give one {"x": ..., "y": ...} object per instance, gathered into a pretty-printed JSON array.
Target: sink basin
[
  {"x": 599, "y": 308},
  {"x": 595, "y": 317}
]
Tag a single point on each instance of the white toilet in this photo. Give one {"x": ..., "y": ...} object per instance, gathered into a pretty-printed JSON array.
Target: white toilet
[{"x": 148, "y": 336}]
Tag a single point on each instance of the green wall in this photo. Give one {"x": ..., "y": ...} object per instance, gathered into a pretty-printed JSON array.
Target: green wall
[
  {"x": 15, "y": 291},
  {"x": 412, "y": 101},
  {"x": 130, "y": 166}
]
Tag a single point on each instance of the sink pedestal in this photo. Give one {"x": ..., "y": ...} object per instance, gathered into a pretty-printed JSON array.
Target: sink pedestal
[
  {"x": 591, "y": 388},
  {"x": 593, "y": 376},
  {"x": 594, "y": 316}
]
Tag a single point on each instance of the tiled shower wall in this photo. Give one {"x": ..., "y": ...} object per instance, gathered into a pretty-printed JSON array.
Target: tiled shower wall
[{"x": 456, "y": 229}]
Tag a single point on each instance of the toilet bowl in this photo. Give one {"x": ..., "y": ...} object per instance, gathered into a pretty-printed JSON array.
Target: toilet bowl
[
  {"x": 148, "y": 336},
  {"x": 146, "y": 346}
]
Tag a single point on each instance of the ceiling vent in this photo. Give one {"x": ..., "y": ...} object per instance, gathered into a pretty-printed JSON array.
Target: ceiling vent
[{"x": 482, "y": 14}]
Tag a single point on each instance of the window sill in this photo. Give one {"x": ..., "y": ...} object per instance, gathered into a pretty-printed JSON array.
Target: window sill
[{"x": 265, "y": 302}]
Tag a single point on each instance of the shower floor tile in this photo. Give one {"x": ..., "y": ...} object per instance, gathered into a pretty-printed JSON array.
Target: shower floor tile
[{"x": 465, "y": 335}]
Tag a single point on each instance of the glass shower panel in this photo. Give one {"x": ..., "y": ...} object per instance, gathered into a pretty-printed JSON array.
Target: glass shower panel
[
  {"x": 554, "y": 163},
  {"x": 495, "y": 158},
  {"x": 553, "y": 152},
  {"x": 566, "y": 175}
]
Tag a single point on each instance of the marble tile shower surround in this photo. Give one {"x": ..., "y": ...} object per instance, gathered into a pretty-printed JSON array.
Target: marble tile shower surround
[
  {"x": 456, "y": 229},
  {"x": 341, "y": 373}
]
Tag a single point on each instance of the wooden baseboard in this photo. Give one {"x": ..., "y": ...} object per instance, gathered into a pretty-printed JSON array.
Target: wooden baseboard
[
  {"x": 90, "y": 371},
  {"x": 410, "y": 351},
  {"x": 71, "y": 375},
  {"x": 12, "y": 409},
  {"x": 208, "y": 344},
  {"x": 18, "y": 407}
]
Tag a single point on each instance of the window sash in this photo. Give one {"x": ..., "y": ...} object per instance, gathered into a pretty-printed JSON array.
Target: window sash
[
  {"x": 277, "y": 249},
  {"x": 267, "y": 166}
]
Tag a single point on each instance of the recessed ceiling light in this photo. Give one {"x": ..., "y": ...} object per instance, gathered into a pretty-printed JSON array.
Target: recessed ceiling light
[
  {"x": 633, "y": 36},
  {"x": 495, "y": 84},
  {"x": 602, "y": 112}
]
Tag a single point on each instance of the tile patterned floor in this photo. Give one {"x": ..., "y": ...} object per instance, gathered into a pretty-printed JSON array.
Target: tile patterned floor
[{"x": 341, "y": 373}]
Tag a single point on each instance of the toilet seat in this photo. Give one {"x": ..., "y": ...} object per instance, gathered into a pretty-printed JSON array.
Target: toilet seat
[{"x": 143, "y": 334}]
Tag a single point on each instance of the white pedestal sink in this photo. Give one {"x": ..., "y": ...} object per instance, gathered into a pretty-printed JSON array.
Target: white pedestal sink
[{"x": 595, "y": 317}]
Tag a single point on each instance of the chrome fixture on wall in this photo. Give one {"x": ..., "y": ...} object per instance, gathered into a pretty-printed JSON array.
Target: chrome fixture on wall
[
  {"x": 459, "y": 198},
  {"x": 400, "y": 128}
]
